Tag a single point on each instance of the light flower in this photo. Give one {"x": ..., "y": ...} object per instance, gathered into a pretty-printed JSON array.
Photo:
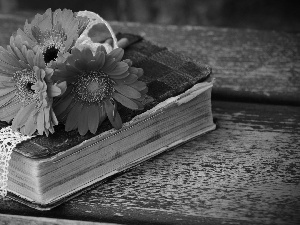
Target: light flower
[
  {"x": 95, "y": 83},
  {"x": 26, "y": 89},
  {"x": 54, "y": 33}
]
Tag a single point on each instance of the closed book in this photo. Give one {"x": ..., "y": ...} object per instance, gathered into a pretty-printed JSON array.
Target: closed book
[{"x": 46, "y": 171}]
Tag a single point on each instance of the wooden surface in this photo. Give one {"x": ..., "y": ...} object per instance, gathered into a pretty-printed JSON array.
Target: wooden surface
[
  {"x": 245, "y": 172},
  {"x": 249, "y": 65},
  {"x": 21, "y": 220}
]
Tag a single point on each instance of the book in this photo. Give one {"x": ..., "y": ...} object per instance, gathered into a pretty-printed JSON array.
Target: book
[{"x": 47, "y": 171}]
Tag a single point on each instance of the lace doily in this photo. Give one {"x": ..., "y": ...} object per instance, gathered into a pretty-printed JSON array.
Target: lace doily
[{"x": 8, "y": 141}]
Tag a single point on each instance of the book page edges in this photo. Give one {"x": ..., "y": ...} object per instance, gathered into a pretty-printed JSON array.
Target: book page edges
[
  {"x": 185, "y": 97},
  {"x": 136, "y": 162}
]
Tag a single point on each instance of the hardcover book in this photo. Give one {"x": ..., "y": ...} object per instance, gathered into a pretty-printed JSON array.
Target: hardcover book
[{"x": 46, "y": 171}]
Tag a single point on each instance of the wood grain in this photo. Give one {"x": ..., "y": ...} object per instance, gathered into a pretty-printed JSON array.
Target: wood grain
[
  {"x": 250, "y": 65},
  {"x": 29, "y": 220},
  {"x": 245, "y": 172}
]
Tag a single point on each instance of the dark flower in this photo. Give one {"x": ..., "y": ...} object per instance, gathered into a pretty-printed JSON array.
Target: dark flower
[
  {"x": 53, "y": 33},
  {"x": 26, "y": 89},
  {"x": 95, "y": 82}
]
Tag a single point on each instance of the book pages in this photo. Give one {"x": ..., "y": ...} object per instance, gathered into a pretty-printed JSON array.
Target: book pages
[{"x": 8, "y": 141}]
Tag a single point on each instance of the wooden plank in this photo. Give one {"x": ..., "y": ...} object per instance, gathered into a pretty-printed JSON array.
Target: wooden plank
[
  {"x": 245, "y": 172},
  {"x": 29, "y": 220},
  {"x": 250, "y": 65}
]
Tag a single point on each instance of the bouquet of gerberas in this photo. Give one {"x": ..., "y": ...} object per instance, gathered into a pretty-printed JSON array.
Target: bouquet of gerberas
[{"x": 52, "y": 72}]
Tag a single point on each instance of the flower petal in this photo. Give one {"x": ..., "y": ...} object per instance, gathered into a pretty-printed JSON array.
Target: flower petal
[
  {"x": 100, "y": 59},
  {"x": 118, "y": 77},
  {"x": 102, "y": 114},
  {"x": 128, "y": 61},
  {"x": 64, "y": 75},
  {"x": 81, "y": 65},
  {"x": 30, "y": 125},
  {"x": 5, "y": 99},
  {"x": 125, "y": 101},
  {"x": 87, "y": 54},
  {"x": 9, "y": 59},
  {"x": 73, "y": 117},
  {"x": 40, "y": 122},
  {"x": 93, "y": 118},
  {"x": 62, "y": 86},
  {"x": 4, "y": 75},
  {"x": 128, "y": 91},
  {"x": 101, "y": 48},
  {"x": 56, "y": 16},
  {"x": 109, "y": 65},
  {"x": 52, "y": 115},
  {"x": 130, "y": 79},
  {"x": 120, "y": 68},
  {"x": 53, "y": 90},
  {"x": 62, "y": 117},
  {"x": 76, "y": 53},
  {"x": 7, "y": 84},
  {"x": 47, "y": 119},
  {"x": 138, "y": 85},
  {"x": 133, "y": 70},
  {"x": 140, "y": 72},
  {"x": 29, "y": 57},
  {"x": 8, "y": 68},
  {"x": 83, "y": 126},
  {"x": 5, "y": 91},
  {"x": 63, "y": 104},
  {"x": 140, "y": 105},
  {"x": 113, "y": 115},
  {"x": 117, "y": 54},
  {"x": 9, "y": 112},
  {"x": 22, "y": 116},
  {"x": 38, "y": 60},
  {"x": 93, "y": 65}
]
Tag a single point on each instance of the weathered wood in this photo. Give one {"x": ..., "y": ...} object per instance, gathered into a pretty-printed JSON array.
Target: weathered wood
[
  {"x": 249, "y": 65},
  {"x": 245, "y": 172},
  {"x": 29, "y": 220}
]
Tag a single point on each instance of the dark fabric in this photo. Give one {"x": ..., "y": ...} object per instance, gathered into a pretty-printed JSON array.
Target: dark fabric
[{"x": 166, "y": 73}]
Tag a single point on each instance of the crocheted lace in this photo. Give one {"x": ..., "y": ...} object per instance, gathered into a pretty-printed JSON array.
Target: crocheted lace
[{"x": 8, "y": 141}]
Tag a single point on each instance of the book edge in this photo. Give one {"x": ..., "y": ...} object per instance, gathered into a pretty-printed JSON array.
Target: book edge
[
  {"x": 194, "y": 91},
  {"x": 99, "y": 181}
]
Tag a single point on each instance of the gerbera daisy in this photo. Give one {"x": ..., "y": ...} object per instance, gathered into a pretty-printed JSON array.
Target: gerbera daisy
[
  {"x": 26, "y": 89},
  {"x": 54, "y": 33},
  {"x": 95, "y": 83}
]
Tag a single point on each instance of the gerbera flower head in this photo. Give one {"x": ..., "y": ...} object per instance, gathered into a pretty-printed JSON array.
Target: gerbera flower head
[
  {"x": 96, "y": 82},
  {"x": 26, "y": 89},
  {"x": 53, "y": 33}
]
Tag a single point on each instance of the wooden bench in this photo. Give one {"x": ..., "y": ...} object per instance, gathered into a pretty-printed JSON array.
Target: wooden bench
[{"x": 245, "y": 172}]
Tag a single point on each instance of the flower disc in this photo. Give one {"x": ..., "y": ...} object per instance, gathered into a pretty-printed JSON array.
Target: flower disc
[
  {"x": 93, "y": 87},
  {"x": 24, "y": 80}
]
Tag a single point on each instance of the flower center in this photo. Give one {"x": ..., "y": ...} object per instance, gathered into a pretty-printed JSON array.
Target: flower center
[
  {"x": 24, "y": 80},
  {"x": 50, "y": 53},
  {"x": 52, "y": 42},
  {"x": 93, "y": 87}
]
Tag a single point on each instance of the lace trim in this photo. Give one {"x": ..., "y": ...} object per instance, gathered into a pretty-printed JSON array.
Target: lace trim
[{"x": 8, "y": 141}]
